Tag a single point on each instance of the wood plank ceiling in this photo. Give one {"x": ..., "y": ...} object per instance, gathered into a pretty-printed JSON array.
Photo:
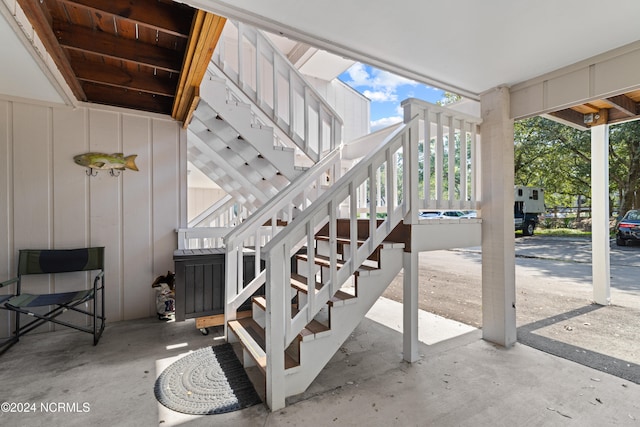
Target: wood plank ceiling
[
  {"x": 616, "y": 109},
  {"x": 147, "y": 55}
]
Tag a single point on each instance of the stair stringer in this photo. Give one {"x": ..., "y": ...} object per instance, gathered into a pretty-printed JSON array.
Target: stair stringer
[
  {"x": 315, "y": 354},
  {"x": 239, "y": 116}
]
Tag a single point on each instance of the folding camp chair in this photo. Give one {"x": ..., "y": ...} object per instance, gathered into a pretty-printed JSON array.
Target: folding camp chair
[{"x": 51, "y": 261}]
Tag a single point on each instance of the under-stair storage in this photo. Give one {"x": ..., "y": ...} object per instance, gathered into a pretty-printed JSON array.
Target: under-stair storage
[{"x": 200, "y": 285}]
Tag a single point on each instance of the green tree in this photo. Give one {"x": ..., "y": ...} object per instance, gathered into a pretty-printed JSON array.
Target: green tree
[
  {"x": 555, "y": 157},
  {"x": 624, "y": 165}
]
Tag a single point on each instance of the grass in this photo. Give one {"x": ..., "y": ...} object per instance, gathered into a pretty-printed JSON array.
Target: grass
[{"x": 567, "y": 232}]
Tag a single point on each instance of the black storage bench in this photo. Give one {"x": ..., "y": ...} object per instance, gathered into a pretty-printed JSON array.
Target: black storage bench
[{"x": 200, "y": 285}]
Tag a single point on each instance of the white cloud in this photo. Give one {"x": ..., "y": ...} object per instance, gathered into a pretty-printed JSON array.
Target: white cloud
[
  {"x": 384, "y": 122},
  {"x": 383, "y": 85},
  {"x": 381, "y": 96},
  {"x": 359, "y": 75}
]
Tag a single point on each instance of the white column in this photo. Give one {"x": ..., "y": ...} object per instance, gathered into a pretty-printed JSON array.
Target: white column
[
  {"x": 600, "y": 214},
  {"x": 498, "y": 246},
  {"x": 410, "y": 307},
  {"x": 410, "y": 259}
]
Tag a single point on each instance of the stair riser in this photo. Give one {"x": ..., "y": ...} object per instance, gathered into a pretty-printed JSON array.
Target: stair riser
[{"x": 315, "y": 354}]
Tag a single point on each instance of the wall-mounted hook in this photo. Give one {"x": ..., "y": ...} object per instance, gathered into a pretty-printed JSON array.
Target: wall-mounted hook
[
  {"x": 113, "y": 172},
  {"x": 91, "y": 172}
]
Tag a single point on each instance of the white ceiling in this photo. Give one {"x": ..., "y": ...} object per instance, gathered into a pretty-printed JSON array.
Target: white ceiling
[
  {"x": 20, "y": 74},
  {"x": 466, "y": 46}
]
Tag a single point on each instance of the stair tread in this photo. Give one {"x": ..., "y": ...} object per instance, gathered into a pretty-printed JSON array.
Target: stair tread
[
  {"x": 261, "y": 301},
  {"x": 316, "y": 327},
  {"x": 299, "y": 282},
  {"x": 341, "y": 296},
  {"x": 321, "y": 260},
  {"x": 248, "y": 332},
  {"x": 253, "y": 339},
  {"x": 343, "y": 240}
]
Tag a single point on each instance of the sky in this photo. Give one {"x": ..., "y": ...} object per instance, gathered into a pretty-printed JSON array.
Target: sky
[{"x": 386, "y": 91}]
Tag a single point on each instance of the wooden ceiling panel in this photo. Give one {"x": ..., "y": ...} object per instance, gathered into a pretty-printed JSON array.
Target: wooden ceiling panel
[
  {"x": 120, "y": 97},
  {"x": 128, "y": 53}
]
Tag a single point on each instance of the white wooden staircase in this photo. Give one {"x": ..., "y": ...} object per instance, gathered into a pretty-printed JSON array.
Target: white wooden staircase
[
  {"x": 315, "y": 344},
  {"x": 247, "y": 136},
  {"x": 325, "y": 269},
  {"x": 236, "y": 153}
]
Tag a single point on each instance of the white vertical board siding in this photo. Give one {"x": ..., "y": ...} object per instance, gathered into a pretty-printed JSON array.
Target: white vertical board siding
[
  {"x": 351, "y": 105},
  {"x": 166, "y": 192},
  {"x": 32, "y": 184},
  {"x": 136, "y": 201},
  {"x": 106, "y": 207},
  {"x": 70, "y": 221},
  {"x": 46, "y": 201},
  {"x": 6, "y": 191},
  {"x": 7, "y": 261}
]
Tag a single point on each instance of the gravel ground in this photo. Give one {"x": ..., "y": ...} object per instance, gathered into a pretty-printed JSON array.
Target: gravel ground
[{"x": 553, "y": 300}]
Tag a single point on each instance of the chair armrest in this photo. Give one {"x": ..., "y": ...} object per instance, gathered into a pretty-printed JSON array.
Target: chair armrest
[
  {"x": 8, "y": 282},
  {"x": 97, "y": 278}
]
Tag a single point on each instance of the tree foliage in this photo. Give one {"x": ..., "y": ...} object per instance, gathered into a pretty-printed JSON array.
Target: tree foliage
[{"x": 558, "y": 158}]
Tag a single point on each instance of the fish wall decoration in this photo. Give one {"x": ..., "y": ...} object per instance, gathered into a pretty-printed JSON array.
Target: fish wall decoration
[{"x": 102, "y": 161}]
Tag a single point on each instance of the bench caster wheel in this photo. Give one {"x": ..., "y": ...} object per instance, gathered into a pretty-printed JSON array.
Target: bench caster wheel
[{"x": 204, "y": 331}]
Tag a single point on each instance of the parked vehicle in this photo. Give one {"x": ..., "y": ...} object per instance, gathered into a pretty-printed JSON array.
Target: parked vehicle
[
  {"x": 469, "y": 214},
  {"x": 628, "y": 229},
  {"x": 440, "y": 214},
  {"x": 529, "y": 204}
]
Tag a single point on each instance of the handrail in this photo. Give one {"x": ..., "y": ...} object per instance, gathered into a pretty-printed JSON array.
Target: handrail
[
  {"x": 265, "y": 74},
  {"x": 296, "y": 196},
  {"x": 216, "y": 212},
  {"x": 397, "y": 156}
]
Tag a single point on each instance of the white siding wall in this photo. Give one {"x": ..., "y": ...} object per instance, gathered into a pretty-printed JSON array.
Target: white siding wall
[
  {"x": 349, "y": 104},
  {"x": 46, "y": 201}
]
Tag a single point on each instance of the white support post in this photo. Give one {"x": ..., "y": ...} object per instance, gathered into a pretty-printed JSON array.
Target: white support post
[
  {"x": 600, "y": 262},
  {"x": 410, "y": 307},
  {"x": 275, "y": 328},
  {"x": 498, "y": 246}
]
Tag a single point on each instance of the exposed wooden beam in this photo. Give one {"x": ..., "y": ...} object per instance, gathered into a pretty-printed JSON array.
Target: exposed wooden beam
[
  {"x": 618, "y": 116},
  {"x": 624, "y": 104},
  {"x": 166, "y": 17},
  {"x": 192, "y": 108},
  {"x": 108, "y": 95},
  {"x": 35, "y": 12},
  {"x": 205, "y": 33},
  {"x": 570, "y": 115},
  {"x": 99, "y": 43},
  {"x": 96, "y": 72}
]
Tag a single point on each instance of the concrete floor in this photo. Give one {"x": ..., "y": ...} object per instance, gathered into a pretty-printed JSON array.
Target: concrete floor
[{"x": 461, "y": 380}]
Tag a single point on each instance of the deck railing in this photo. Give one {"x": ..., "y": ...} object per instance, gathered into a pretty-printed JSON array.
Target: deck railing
[
  {"x": 448, "y": 160},
  {"x": 258, "y": 68}
]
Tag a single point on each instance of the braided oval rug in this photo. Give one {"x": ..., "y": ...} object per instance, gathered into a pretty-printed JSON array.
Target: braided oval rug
[{"x": 207, "y": 381}]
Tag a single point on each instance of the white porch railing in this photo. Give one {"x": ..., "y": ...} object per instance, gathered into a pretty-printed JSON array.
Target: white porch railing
[
  {"x": 448, "y": 147},
  {"x": 249, "y": 59},
  {"x": 288, "y": 204}
]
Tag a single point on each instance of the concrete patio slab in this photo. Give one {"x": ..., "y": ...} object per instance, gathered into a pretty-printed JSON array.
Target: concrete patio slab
[{"x": 59, "y": 378}]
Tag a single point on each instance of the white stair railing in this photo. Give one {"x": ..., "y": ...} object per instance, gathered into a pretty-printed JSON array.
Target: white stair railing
[
  {"x": 448, "y": 147},
  {"x": 251, "y": 60},
  {"x": 223, "y": 213},
  {"x": 250, "y": 236},
  {"x": 397, "y": 156}
]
